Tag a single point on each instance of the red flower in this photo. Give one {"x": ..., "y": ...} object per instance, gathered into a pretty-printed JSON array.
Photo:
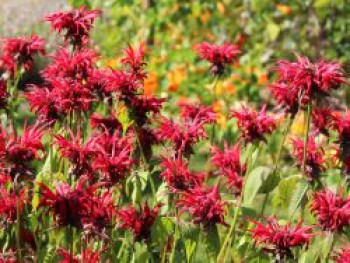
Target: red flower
[
  {"x": 315, "y": 156},
  {"x": 184, "y": 135},
  {"x": 229, "y": 164},
  {"x": 197, "y": 111},
  {"x": 3, "y": 94},
  {"x": 134, "y": 61},
  {"x": 254, "y": 125},
  {"x": 218, "y": 55},
  {"x": 309, "y": 79},
  {"x": 123, "y": 83},
  {"x": 76, "y": 23},
  {"x": 114, "y": 157},
  {"x": 20, "y": 52},
  {"x": 109, "y": 123},
  {"x": 77, "y": 153},
  {"x": 322, "y": 119},
  {"x": 16, "y": 152},
  {"x": 139, "y": 222},
  {"x": 204, "y": 204},
  {"x": 343, "y": 256},
  {"x": 286, "y": 97},
  {"x": 331, "y": 210},
  {"x": 279, "y": 239},
  {"x": 141, "y": 106},
  {"x": 8, "y": 204},
  {"x": 87, "y": 256},
  {"x": 178, "y": 176}
]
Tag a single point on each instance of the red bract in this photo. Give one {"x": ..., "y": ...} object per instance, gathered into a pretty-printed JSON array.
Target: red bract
[
  {"x": 218, "y": 55},
  {"x": 280, "y": 239},
  {"x": 87, "y": 256},
  {"x": 178, "y": 176},
  {"x": 343, "y": 256},
  {"x": 114, "y": 157},
  {"x": 315, "y": 156},
  {"x": 78, "y": 153},
  {"x": 254, "y": 125},
  {"x": 3, "y": 94},
  {"x": 16, "y": 152},
  {"x": 197, "y": 111},
  {"x": 204, "y": 204},
  {"x": 8, "y": 204},
  {"x": 331, "y": 210},
  {"x": 20, "y": 52},
  {"x": 229, "y": 164},
  {"x": 139, "y": 222},
  {"x": 183, "y": 135},
  {"x": 109, "y": 123},
  {"x": 310, "y": 79},
  {"x": 342, "y": 126},
  {"x": 123, "y": 83},
  {"x": 134, "y": 61},
  {"x": 76, "y": 24},
  {"x": 322, "y": 119},
  {"x": 286, "y": 97}
]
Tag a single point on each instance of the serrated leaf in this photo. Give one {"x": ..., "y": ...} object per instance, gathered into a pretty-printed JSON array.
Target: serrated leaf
[
  {"x": 270, "y": 182},
  {"x": 286, "y": 188},
  {"x": 298, "y": 195},
  {"x": 162, "y": 228},
  {"x": 253, "y": 184}
]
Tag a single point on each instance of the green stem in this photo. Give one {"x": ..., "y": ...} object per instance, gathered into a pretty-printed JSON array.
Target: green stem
[
  {"x": 213, "y": 87},
  {"x": 306, "y": 137},
  {"x": 71, "y": 245},
  {"x": 18, "y": 228}
]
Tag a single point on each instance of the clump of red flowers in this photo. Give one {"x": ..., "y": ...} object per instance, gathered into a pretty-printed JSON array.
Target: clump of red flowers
[
  {"x": 76, "y": 24},
  {"x": 331, "y": 209},
  {"x": 343, "y": 256},
  {"x": 254, "y": 125},
  {"x": 139, "y": 222},
  {"x": 280, "y": 239},
  {"x": 87, "y": 256},
  {"x": 323, "y": 120},
  {"x": 204, "y": 204},
  {"x": 217, "y": 55},
  {"x": 18, "y": 53},
  {"x": 315, "y": 160},
  {"x": 8, "y": 205}
]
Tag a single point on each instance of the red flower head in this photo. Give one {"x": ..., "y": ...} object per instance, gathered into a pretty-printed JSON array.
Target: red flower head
[
  {"x": 279, "y": 239},
  {"x": 77, "y": 153},
  {"x": 3, "y": 94},
  {"x": 204, "y": 204},
  {"x": 315, "y": 156},
  {"x": 218, "y": 55},
  {"x": 76, "y": 23},
  {"x": 310, "y": 79},
  {"x": 19, "y": 52},
  {"x": 254, "y": 125},
  {"x": 123, "y": 83},
  {"x": 197, "y": 111},
  {"x": 68, "y": 206},
  {"x": 139, "y": 222},
  {"x": 229, "y": 164},
  {"x": 331, "y": 210},
  {"x": 109, "y": 123},
  {"x": 16, "y": 152},
  {"x": 8, "y": 204},
  {"x": 286, "y": 97},
  {"x": 134, "y": 61},
  {"x": 42, "y": 101},
  {"x": 87, "y": 256},
  {"x": 322, "y": 119},
  {"x": 178, "y": 176},
  {"x": 114, "y": 159},
  {"x": 148, "y": 138},
  {"x": 184, "y": 135},
  {"x": 343, "y": 256}
]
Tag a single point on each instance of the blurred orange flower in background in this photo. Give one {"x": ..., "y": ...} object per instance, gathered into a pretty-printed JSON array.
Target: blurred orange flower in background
[
  {"x": 284, "y": 9},
  {"x": 151, "y": 83},
  {"x": 175, "y": 77}
]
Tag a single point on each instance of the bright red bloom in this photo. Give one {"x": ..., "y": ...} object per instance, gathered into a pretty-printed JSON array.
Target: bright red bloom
[
  {"x": 184, "y": 135},
  {"x": 76, "y": 24},
  {"x": 8, "y": 204},
  {"x": 331, "y": 210},
  {"x": 114, "y": 159},
  {"x": 123, "y": 83},
  {"x": 254, "y": 125},
  {"x": 218, "y": 55},
  {"x": 322, "y": 119},
  {"x": 9, "y": 256},
  {"x": 286, "y": 97},
  {"x": 20, "y": 52},
  {"x": 3, "y": 94},
  {"x": 229, "y": 164},
  {"x": 204, "y": 204},
  {"x": 315, "y": 160},
  {"x": 134, "y": 61},
  {"x": 109, "y": 123},
  {"x": 139, "y": 221},
  {"x": 16, "y": 152},
  {"x": 309, "y": 79},
  {"x": 178, "y": 176},
  {"x": 343, "y": 256},
  {"x": 87, "y": 256},
  {"x": 197, "y": 111},
  {"x": 78, "y": 153},
  {"x": 280, "y": 239}
]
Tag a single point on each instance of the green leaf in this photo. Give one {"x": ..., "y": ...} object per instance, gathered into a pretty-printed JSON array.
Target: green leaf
[
  {"x": 273, "y": 30},
  {"x": 270, "y": 181},
  {"x": 162, "y": 228},
  {"x": 253, "y": 183},
  {"x": 212, "y": 241},
  {"x": 286, "y": 188},
  {"x": 298, "y": 196}
]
